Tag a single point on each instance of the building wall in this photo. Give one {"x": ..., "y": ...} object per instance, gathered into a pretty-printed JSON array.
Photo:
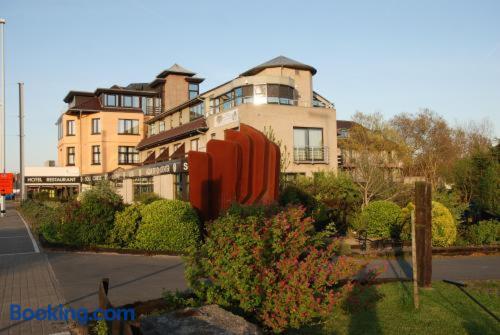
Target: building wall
[
  {"x": 175, "y": 91},
  {"x": 109, "y": 140}
]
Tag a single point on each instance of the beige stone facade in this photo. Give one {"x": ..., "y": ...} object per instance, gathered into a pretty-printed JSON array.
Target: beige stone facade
[{"x": 255, "y": 100}]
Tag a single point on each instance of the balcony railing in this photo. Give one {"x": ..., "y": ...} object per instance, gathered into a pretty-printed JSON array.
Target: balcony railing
[
  {"x": 310, "y": 155},
  {"x": 152, "y": 110}
]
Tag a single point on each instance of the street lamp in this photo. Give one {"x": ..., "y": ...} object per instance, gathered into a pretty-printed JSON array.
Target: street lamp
[{"x": 2, "y": 111}]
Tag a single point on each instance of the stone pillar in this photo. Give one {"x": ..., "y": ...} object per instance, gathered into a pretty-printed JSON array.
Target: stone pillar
[{"x": 423, "y": 232}]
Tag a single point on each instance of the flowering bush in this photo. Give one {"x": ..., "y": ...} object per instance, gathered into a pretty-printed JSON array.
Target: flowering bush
[{"x": 276, "y": 268}]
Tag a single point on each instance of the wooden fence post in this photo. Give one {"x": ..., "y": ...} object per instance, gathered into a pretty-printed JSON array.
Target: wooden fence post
[
  {"x": 416, "y": 300},
  {"x": 423, "y": 232}
]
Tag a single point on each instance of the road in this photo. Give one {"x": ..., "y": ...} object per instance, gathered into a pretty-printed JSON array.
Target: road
[
  {"x": 132, "y": 277},
  {"x": 452, "y": 267}
]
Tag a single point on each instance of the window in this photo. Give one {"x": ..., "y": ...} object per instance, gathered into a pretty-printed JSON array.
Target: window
[
  {"x": 127, "y": 155},
  {"x": 110, "y": 100},
  {"x": 153, "y": 129},
  {"x": 194, "y": 144},
  {"x": 126, "y": 101},
  {"x": 70, "y": 156},
  {"x": 130, "y": 101},
  {"x": 126, "y": 126},
  {"x": 162, "y": 126},
  {"x": 260, "y": 94},
  {"x": 176, "y": 146},
  {"x": 142, "y": 185},
  {"x": 180, "y": 118},
  {"x": 247, "y": 94},
  {"x": 96, "y": 126},
  {"x": 193, "y": 90},
  {"x": 59, "y": 130},
  {"x": 308, "y": 144},
  {"x": 96, "y": 155},
  {"x": 181, "y": 186},
  {"x": 70, "y": 128},
  {"x": 214, "y": 106},
  {"x": 343, "y": 133},
  {"x": 196, "y": 111}
]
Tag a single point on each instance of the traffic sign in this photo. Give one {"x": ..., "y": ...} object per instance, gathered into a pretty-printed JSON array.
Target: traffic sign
[{"x": 6, "y": 183}]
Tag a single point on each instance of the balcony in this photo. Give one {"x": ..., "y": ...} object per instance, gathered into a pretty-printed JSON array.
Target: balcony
[
  {"x": 152, "y": 110},
  {"x": 310, "y": 155}
]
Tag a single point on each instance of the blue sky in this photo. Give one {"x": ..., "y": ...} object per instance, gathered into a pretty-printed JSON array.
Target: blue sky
[{"x": 371, "y": 56}]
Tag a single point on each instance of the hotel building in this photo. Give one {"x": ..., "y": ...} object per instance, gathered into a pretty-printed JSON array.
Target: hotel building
[{"x": 139, "y": 135}]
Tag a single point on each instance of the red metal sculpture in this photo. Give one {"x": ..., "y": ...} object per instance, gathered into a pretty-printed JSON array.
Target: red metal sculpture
[{"x": 242, "y": 168}]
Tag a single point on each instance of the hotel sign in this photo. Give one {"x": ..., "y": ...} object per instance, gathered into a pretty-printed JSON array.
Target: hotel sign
[
  {"x": 151, "y": 170},
  {"x": 168, "y": 167},
  {"x": 52, "y": 180}
]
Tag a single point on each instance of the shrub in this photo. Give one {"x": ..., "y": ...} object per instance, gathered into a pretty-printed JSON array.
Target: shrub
[
  {"x": 44, "y": 217},
  {"x": 405, "y": 229},
  {"x": 335, "y": 191},
  {"x": 444, "y": 227},
  {"x": 97, "y": 209},
  {"x": 168, "y": 225},
  {"x": 485, "y": 232},
  {"x": 146, "y": 198},
  {"x": 271, "y": 267},
  {"x": 379, "y": 219},
  {"x": 451, "y": 200},
  {"x": 126, "y": 225}
]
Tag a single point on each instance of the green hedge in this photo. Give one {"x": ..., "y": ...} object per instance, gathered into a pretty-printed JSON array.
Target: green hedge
[
  {"x": 126, "y": 224},
  {"x": 168, "y": 225},
  {"x": 379, "y": 219}
]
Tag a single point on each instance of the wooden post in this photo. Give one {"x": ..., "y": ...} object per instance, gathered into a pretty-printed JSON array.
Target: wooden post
[
  {"x": 423, "y": 232},
  {"x": 416, "y": 301}
]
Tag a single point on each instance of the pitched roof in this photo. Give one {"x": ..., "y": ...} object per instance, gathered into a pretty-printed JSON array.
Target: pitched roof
[
  {"x": 280, "y": 61},
  {"x": 71, "y": 94},
  {"x": 173, "y": 134},
  {"x": 92, "y": 104},
  {"x": 176, "y": 69},
  {"x": 343, "y": 124},
  {"x": 139, "y": 86}
]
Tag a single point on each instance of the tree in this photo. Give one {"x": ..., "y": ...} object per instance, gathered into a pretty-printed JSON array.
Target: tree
[
  {"x": 376, "y": 156},
  {"x": 430, "y": 141},
  {"x": 284, "y": 153},
  {"x": 477, "y": 178}
]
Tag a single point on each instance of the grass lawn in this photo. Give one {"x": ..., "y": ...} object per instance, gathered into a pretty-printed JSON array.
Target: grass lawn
[{"x": 444, "y": 309}]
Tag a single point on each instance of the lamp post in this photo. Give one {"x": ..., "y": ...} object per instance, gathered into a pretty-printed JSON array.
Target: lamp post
[
  {"x": 2, "y": 111},
  {"x": 21, "y": 140}
]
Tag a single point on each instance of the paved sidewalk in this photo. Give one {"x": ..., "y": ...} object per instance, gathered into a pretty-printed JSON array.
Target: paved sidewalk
[{"x": 26, "y": 278}]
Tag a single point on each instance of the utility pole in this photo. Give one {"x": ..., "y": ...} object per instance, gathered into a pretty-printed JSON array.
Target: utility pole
[
  {"x": 21, "y": 140},
  {"x": 2, "y": 112}
]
